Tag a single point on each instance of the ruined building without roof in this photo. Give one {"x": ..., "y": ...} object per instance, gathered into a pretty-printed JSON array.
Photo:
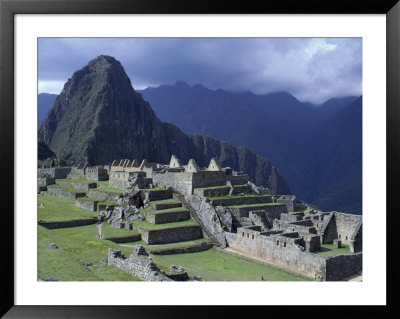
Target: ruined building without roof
[{"x": 235, "y": 213}]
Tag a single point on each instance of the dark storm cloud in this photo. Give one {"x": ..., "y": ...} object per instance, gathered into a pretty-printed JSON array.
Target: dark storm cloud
[{"x": 312, "y": 69}]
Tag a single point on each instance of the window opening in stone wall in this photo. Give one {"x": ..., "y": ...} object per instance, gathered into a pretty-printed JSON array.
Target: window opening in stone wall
[
  {"x": 284, "y": 244},
  {"x": 346, "y": 237},
  {"x": 277, "y": 242},
  {"x": 252, "y": 236},
  {"x": 243, "y": 234},
  {"x": 248, "y": 235},
  {"x": 340, "y": 236}
]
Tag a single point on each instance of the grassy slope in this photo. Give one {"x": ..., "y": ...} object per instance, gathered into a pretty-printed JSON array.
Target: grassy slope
[
  {"x": 60, "y": 209},
  {"x": 213, "y": 265},
  {"x": 77, "y": 247}
]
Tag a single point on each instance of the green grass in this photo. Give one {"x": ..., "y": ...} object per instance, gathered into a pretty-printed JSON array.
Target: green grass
[
  {"x": 103, "y": 183},
  {"x": 256, "y": 205},
  {"x": 183, "y": 244},
  {"x": 150, "y": 226},
  {"x": 165, "y": 201},
  {"x": 215, "y": 265},
  {"x": 152, "y": 189},
  {"x": 77, "y": 247},
  {"x": 109, "y": 232},
  {"x": 60, "y": 209},
  {"x": 99, "y": 200},
  {"x": 110, "y": 190},
  {"x": 238, "y": 196},
  {"x": 66, "y": 187},
  {"x": 166, "y": 211},
  {"x": 329, "y": 250},
  {"x": 79, "y": 180}
]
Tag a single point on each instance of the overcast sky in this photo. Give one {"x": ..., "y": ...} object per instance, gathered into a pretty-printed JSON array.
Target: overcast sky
[{"x": 311, "y": 69}]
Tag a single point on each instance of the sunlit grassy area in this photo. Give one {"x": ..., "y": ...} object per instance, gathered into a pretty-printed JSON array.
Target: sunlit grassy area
[
  {"x": 183, "y": 244},
  {"x": 52, "y": 209},
  {"x": 150, "y": 226},
  {"x": 109, "y": 232},
  {"x": 214, "y": 265},
  {"x": 166, "y": 211},
  {"x": 111, "y": 189},
  {"x": 328, "y": 250},
  {"x": 78, "y": 246},
  {"x": 165, "y": 201}
]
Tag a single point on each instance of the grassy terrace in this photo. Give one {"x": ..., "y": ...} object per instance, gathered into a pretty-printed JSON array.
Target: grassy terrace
[
  {"x": 215, "y": 265},
  {"x": 66, "y": 187},
  {"x": 256, "y": 205},
  {"x": 152, "y": 189},
  {"x": 77, "y": 247},
  {"x": 78, "y": 180},
  {"x": 150, "y": 226},
  {"x": 103, "y": 183},
  {"x": 98, "y": 199},
  {"x": 183, "y": 244},
  {"x": 328, "y": 250},
  {"x": 239, "y": 196},
  {"x": 165, "y": 201},
  {"x": 60, "y": 209},
  {"x": 109, "y": 232},
  {"x": 111, "y": 190},
  {"x": 166, "y": 211}
]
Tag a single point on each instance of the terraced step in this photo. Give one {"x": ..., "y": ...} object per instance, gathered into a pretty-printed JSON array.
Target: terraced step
[
  {"x": 170, "y": 215},
  {"x": 107, "y": 193},
  {"x": 241, "y": 200},
  {"x": 273, "y": 209},
  {"x": 166, "y": 204},
  {"x": 168, "y": 233},
  {"x": 64, "y": 191},
  {"x": 94, "y": 204},
  {"x": 123, "y": 235},
  {"x": 158, "y": 194},
  {"x": 80, "y": 184},
  {"x": 221, "y": 190}
]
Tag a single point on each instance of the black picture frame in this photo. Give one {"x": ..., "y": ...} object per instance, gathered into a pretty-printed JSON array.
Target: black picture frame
[{"x": 9, "y": 8}]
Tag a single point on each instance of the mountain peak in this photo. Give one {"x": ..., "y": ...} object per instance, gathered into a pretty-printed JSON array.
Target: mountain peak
[{"x": 181, "y": 84}]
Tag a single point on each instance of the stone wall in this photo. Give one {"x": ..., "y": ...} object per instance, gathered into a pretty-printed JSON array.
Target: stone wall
[
  {"x": 140, "y": 266},
  {"x": 346, "y": 225},
  {"x": 170, "y": 235},
  {"x": 159, "y": 194},
  {"x": 163, "y": 218},
  {"x": 283, "y": 253},
  {"x": 60, "y": 192},
  {"x": 273, "y": 211},
  {"x": 55, "y": 172},
  {"x": 96, "y": 174},
  {"x": 119, "y": 180},
  {"x": 182, "y": 182},
  {"x": 342, "y": 266},
  {"x": 42, "y": 183},
  {"x": 192, "y": 249},
  {"x": 242, "y": 200},
  {"x": 294, "y": 227},
  {"x": 86, "y": 204},
  {"x": 98, "y": 193},
  {"x": 128, "y": 239},
  {"x": 69, "y": 223},
  {"x": 85, "y": 186}
]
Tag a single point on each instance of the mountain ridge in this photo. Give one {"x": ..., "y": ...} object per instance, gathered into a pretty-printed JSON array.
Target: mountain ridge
[{"x": 98, "y": 115}]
